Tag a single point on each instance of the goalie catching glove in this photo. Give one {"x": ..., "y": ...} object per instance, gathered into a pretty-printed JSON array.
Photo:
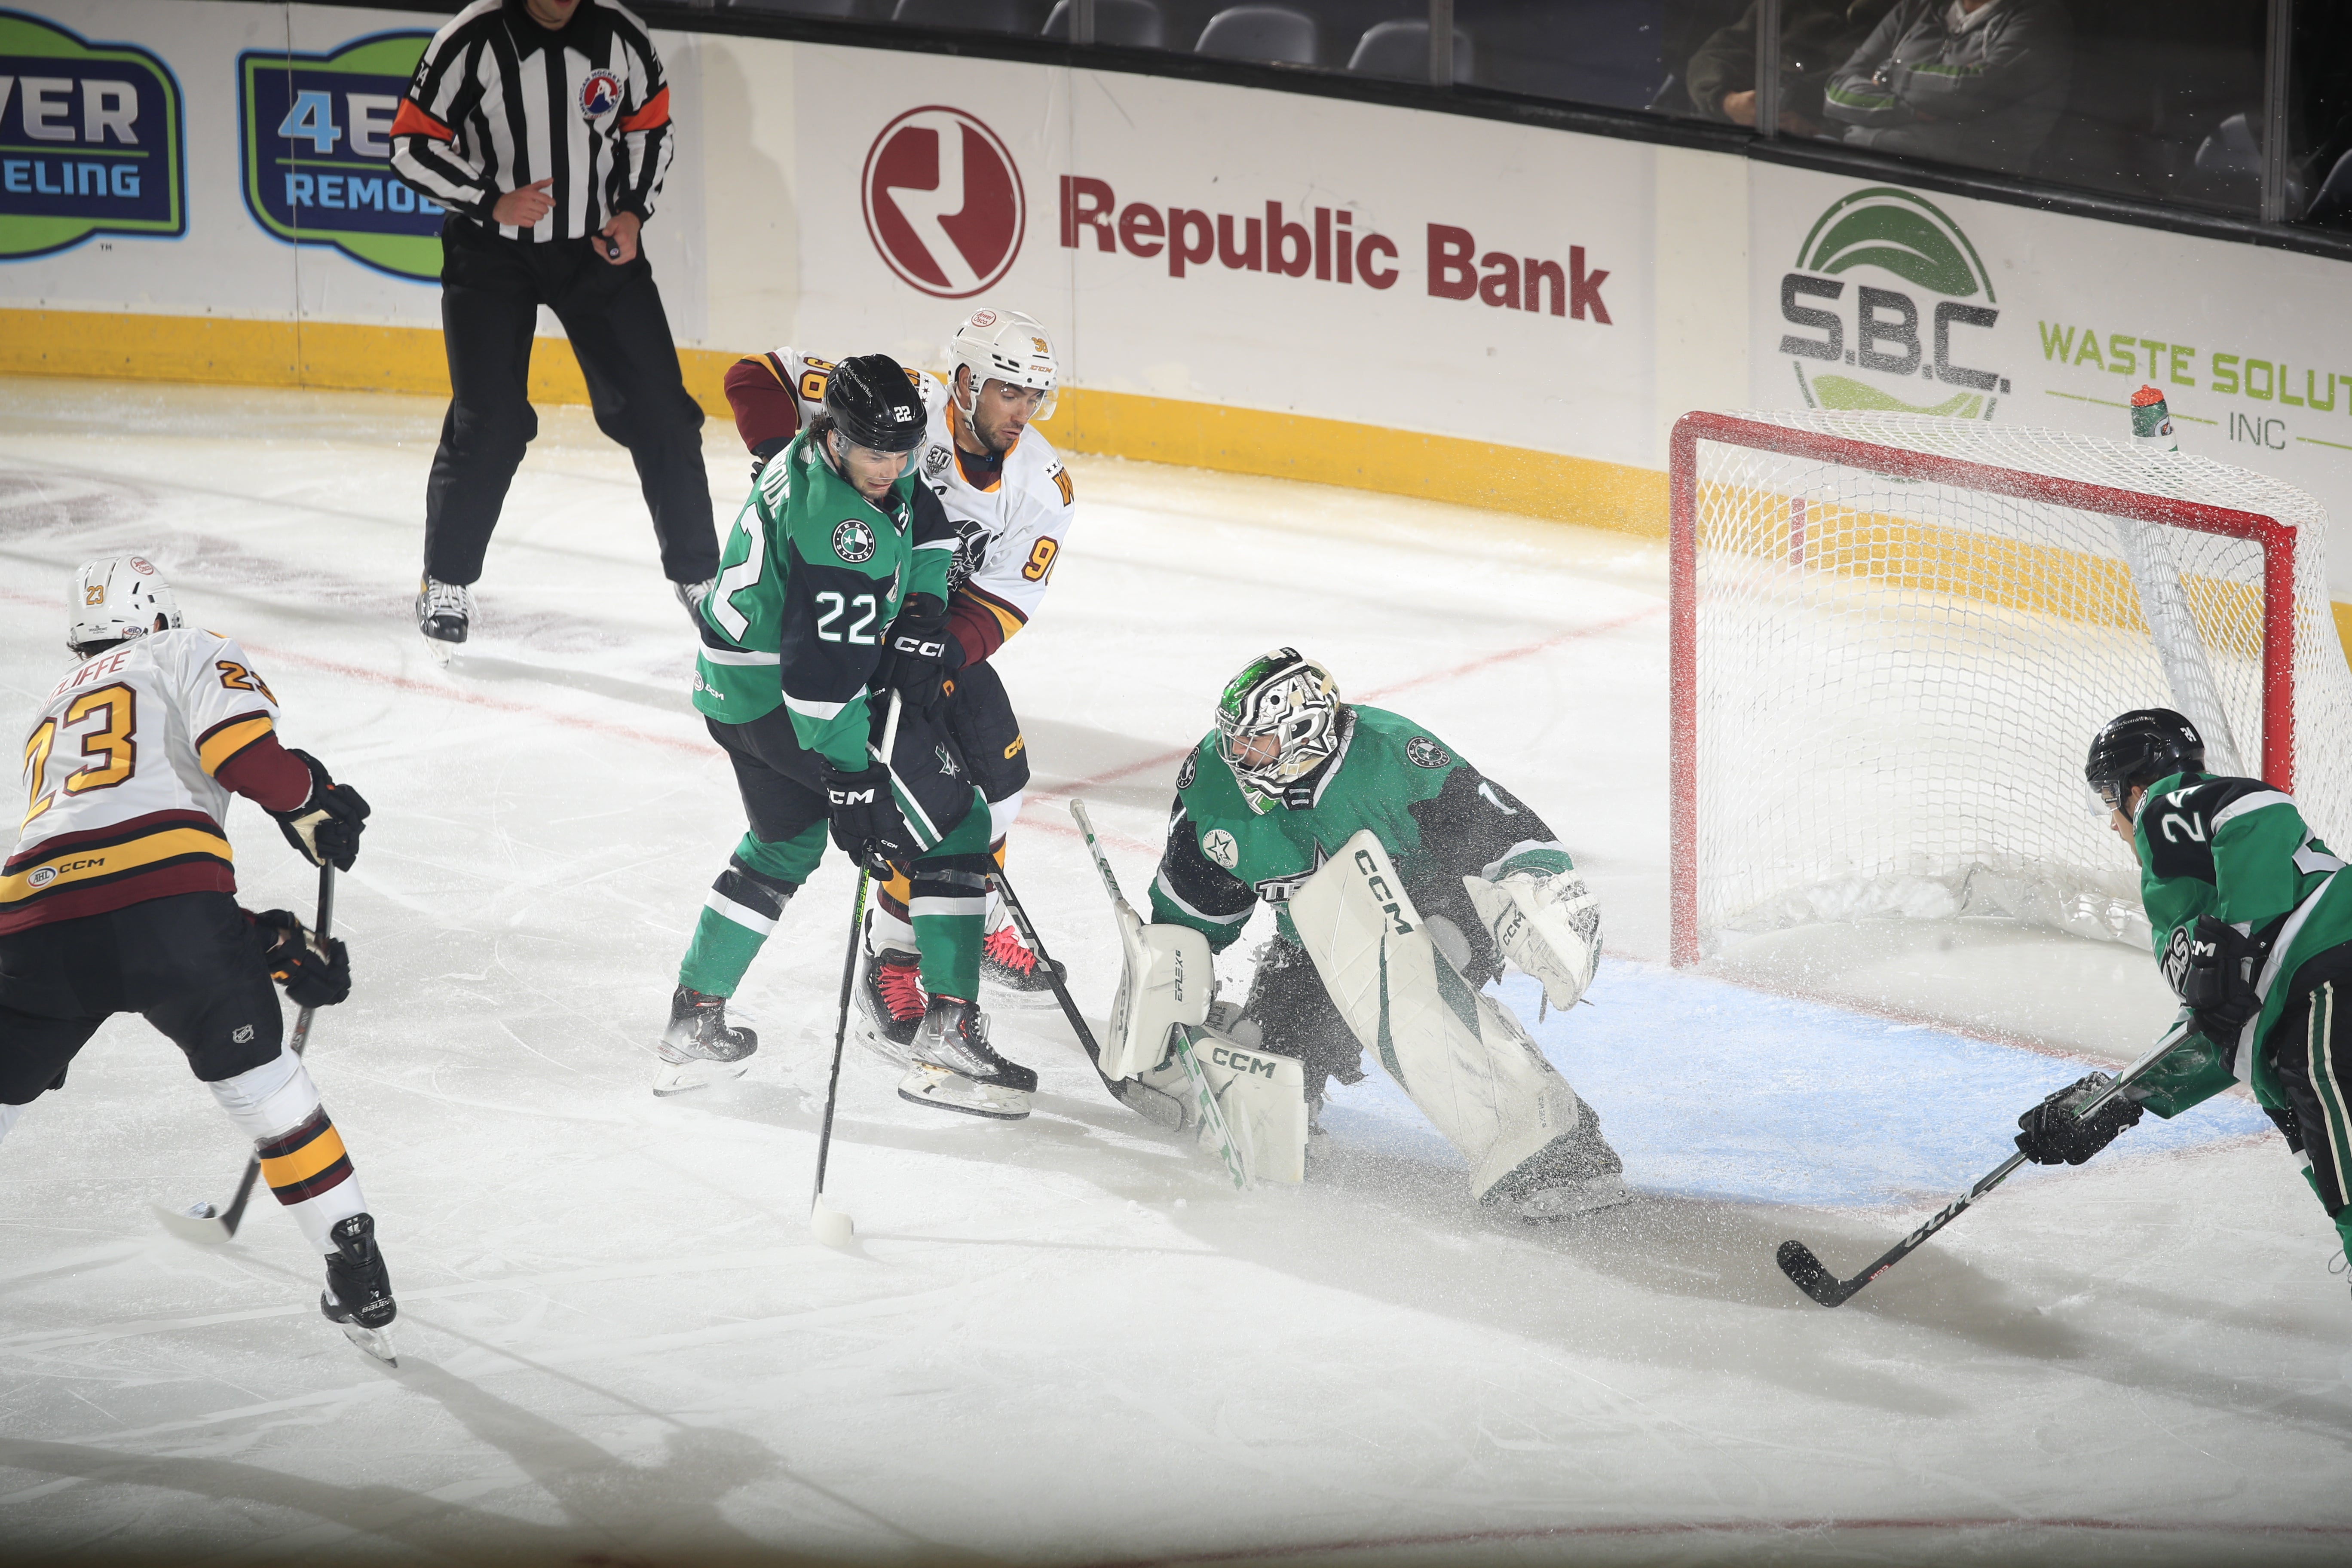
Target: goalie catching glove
[
  {"x": 326, "y": 826},
  {"x": 315, "y": 970},
  {"x": 1543, "y": 919}
]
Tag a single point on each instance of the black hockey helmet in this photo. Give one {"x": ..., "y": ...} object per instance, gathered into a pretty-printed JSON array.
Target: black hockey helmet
[
  {"x": 873, "y": 404},
  {"x": 2139, "y": 747}
]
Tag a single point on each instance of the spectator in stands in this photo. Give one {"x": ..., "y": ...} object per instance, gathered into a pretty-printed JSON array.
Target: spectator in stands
[
  {"x": 1816, "y": 38},
  {"x": 1966, "y": 81}
]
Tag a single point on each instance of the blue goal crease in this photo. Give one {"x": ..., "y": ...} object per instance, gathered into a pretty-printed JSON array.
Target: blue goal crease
[{"x": 1711, "y": 1089}]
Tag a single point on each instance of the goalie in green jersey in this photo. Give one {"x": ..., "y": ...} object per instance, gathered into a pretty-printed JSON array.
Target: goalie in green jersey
[
  {"x": 2254, "y": 934},
  {"x": 829, "y": 608},
  {"x": 1402, "y": 881}
]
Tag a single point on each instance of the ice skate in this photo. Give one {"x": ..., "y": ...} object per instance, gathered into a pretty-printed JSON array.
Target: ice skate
[
  {"x": 699, "y": 1047},
  {"x": 1572, "y": 1199},
  {"x": 358, "y": 1297},
  {"x": 955, "y": 1068},
  {"x": 890, "y": 1004},
  {"x": 1007, "y": 964},
  {"x": 445, "y": 612}
]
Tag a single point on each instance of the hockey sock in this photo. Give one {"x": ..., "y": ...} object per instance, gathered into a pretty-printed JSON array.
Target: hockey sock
[
  {"x": 950, "y": 895},
  {"x": 302, "y": 1156},
  {"x": 888, "y": 926},
  {"x": 744, "y": 906}
]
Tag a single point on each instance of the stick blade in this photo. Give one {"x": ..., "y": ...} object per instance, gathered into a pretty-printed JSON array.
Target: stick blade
[
  {"x": 201, "y": 1226},
  {"x": 1807, "y": 1273}
]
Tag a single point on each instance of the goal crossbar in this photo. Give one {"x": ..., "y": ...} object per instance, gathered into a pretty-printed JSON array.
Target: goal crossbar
[{"x": 2275, "y": 538}]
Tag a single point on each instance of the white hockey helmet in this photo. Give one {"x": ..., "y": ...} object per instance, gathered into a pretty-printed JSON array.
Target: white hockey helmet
[
  {"x": 115, "y": 600},
  {"x": 1007, "y": 346},
  {"x": 1290, "y": 700}
]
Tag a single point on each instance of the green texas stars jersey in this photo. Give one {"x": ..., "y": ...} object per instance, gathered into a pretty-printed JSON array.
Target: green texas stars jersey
[
  {"x": 2240, "y": 851},
  {"x": 1439, "y": 818},
  {"x": 812, "y": 574}
]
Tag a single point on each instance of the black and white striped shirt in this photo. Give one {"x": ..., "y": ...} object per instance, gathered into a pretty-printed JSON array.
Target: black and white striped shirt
[{"x": 499, "y": 101}]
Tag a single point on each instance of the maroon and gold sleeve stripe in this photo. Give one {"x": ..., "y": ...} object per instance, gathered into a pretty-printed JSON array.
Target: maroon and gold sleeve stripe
[{"x": 230, "y": 736}]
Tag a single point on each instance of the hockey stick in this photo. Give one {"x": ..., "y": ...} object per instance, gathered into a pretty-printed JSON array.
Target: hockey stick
[
  {"x": 827, "y": 1224},
  {"x": 1807, "y": 1271},
  {"x": 203, "y": 1225},
  {"x": 1204, "y": 1099}
]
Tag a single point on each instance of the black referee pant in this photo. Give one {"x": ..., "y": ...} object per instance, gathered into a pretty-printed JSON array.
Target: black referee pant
[{"x": 492, "y": 288}]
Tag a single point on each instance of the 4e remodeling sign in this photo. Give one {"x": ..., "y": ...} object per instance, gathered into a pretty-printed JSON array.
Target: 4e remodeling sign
[
  {"x": 89, "y": 141},
  {"x": 318, "y": 152}
]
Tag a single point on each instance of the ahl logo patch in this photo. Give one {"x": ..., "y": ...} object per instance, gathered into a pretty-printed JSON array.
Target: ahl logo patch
[
  {"x": 42, "y": 877},
  {"x": 1218, "y": 845},
  {"x": 600, "y": 94},
  {"x": 1423, "y": 752},
  {"x": 854, "y": 541}
]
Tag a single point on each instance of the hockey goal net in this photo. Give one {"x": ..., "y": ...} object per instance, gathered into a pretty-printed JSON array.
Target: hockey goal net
[{"x": 1894, "y": 637}]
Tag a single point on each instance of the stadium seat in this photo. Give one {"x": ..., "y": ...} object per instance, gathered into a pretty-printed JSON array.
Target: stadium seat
[
  {"x": 798, "y": 7},
  {"x": 1137, "y": 24},
  {"x": 1401, "y": 50},
  {"x": 1260, "y": 33},
  {"x": 969, "y": 15}
]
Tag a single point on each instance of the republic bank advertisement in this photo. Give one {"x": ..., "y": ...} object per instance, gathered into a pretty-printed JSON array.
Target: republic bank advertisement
[{"x": 1250, "y": 253}]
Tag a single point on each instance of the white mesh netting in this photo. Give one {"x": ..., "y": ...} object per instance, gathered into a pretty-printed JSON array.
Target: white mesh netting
[{"x": 1896, "y": 681}]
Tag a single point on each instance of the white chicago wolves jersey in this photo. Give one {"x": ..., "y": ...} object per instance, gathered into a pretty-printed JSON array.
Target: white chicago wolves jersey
[
  {"x": 1011, "y": 526},
  {"x": 120, "y": 804}
]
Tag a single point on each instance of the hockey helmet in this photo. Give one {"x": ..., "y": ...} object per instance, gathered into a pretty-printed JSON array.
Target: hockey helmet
[
  {"x": 1007, "y": 346},
  {"x": 2139, "y": 747},
  {"x": 1288, "y": 697},
  {"x": 114, "y": 600},
  {"x": 874, "y": 404}
]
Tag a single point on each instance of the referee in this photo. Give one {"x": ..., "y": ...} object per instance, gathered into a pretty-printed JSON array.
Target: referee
[{"x": 543, "y": 127}]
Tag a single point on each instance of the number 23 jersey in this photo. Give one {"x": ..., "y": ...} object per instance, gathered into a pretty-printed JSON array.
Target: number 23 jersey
[{"x": 122, "y": 804}]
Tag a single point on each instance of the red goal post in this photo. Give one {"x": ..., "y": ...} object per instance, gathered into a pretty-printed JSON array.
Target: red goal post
[{"x": 1804, "y": 454}]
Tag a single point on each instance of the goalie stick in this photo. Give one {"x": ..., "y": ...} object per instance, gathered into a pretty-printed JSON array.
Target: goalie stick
[
  {"x": 1808, "y": 1273},
  {"x": 203, "y": 1224},
  {"x": 1204, "y": 1099}
]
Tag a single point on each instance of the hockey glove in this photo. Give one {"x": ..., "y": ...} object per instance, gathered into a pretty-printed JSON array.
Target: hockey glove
[
  {"x": 2213, "y": 968},
  {"x": 2053, "y": 1136},
  {"x": 765, "y": 450},
  {"x": 327, "y": 825},
  {"x": 864, "y": 817},
  {"x": 315, "y": 970},
  {"x": 919, "y": 652},
  {"x": 1543, "y": 919}
]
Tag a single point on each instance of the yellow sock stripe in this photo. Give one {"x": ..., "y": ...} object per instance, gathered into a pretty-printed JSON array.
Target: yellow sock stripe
[
  {"x": 2321, "y": 1043},
  {"x": 300, "y": 1166}
]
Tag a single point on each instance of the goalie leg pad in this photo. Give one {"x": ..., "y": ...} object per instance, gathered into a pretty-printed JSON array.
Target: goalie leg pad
[
  {"x": 1262, "y": 1097},
  {"x": 1464, "y": 1060}
]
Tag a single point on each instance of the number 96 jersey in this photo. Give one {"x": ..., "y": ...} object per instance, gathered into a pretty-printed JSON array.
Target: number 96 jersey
[{"x": 120, "y": 800}]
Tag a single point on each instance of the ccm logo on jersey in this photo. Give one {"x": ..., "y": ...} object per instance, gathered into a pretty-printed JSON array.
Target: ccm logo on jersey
[
  {"x": 47, "y": 874},
  {"x": 1242, "y": 1061},
  {"x": 1378, "y": 886}
]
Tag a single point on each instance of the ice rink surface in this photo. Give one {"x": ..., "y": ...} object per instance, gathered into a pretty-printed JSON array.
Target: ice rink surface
[{"x": 1068, "y": 1339}]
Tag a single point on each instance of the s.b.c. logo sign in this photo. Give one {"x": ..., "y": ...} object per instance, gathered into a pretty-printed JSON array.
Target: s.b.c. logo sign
[
  {"x": 318, "y": 152},
  {"x": 89, "y": 141},
  {"x": 943, "y": 202},
  {"x": 1891, "y": 305}
]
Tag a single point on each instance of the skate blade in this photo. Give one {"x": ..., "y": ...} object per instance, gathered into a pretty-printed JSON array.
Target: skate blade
[
  {"x": 199, "y": 1225},
  {"x": 928, "y": 1085},
  {"x": 377, "y": 1343},
  {"x": 1571, "y": 1202},
  {"x": 684, "y": 1078},
  {"x": 881, "y": 1045}
]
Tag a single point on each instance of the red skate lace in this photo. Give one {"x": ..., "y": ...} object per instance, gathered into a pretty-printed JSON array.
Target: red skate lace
[
  {"x": 1003, "y": 945},
  {"x": 902, "y": 990}
]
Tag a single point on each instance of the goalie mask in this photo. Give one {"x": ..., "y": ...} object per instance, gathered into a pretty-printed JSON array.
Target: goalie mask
[
  {"x": 2139, "y": 747},
  {"x": 114, "y": 600},
  {"x": 1280, "y": 721},
  {"x": 1006, "y": 346}
]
